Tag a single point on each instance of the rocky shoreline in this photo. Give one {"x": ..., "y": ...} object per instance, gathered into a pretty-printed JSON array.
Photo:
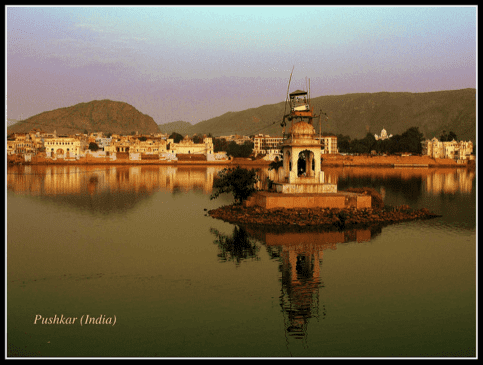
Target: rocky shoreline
[{"x": 318, "y": 218}]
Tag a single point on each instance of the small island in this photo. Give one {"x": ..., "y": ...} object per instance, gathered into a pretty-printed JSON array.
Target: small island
[
  {"x": 303, "y": 199},
  {"x": 321, "y": 218},
  {"x": 318, "y": 218}
]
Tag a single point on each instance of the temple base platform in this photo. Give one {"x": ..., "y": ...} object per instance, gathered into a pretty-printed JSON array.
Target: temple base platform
[
  {"x": 304, "y": 188},
  {"x": 340, "y": 200}
]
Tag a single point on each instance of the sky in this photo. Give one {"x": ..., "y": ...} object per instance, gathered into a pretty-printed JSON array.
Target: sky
[{"x": 193, "y": 63}]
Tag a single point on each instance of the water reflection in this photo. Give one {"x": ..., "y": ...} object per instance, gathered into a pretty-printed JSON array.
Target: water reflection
[
  {"x": 409, "y": 181},
  {"x": 237, "y": 247},
  {"x": 300, "y": 257},
  {"x": 106, "y": 189},
  {"x": 55, "y": 180}
]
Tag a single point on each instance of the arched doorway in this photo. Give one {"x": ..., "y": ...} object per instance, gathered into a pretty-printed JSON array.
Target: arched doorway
[
  {"x": 305, "y": 163},
  {"x": 301, "y": 165}
]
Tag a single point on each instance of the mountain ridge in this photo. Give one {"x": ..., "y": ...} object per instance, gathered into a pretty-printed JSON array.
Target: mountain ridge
[
  {"x": 95, "y": 116},
  {"x": 354, "y": 114},
  {"x": 357, "y": 114}
]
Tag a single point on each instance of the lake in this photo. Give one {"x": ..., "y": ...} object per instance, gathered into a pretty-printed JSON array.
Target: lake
[{"x": 123, "y": 261}]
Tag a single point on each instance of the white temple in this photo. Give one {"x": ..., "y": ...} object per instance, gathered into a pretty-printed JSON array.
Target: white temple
[{"x": 383, "y": 135}]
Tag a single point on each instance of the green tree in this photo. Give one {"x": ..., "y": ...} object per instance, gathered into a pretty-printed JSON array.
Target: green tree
[
  {"x": 176, "y": 137},
  {"x": 236, "y": 180},
  {"x": 220, "y": 144},
  {"x": 452, "y": 135},
  {"x": 197, "y": 139},
  {"x": 343, "y": 143},
  {"x": 93, "y": 146},
  {"x": 411, "y": 140},
  {"x": 369, "y": 142},
  {"x": 447, "y": 137},
  {"x": 235, "y": 150}
]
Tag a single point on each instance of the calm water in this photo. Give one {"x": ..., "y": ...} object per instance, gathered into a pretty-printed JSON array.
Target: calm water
[{"x": 135, "y": 245}]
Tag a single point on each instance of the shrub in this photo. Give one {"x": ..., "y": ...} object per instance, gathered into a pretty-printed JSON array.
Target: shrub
[
  {"x": 93, "y": 146},
  {"x": 275, "y": 165},
  {"x": 238, "y": 180}
]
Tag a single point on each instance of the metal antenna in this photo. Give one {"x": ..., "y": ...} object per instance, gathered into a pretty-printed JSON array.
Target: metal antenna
[
  {"x": 309, "y": 90},
  {"x": 286, "y": 99}
]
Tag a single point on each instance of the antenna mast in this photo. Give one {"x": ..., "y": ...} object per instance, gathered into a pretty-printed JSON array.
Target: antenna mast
[{"x": 286, "y": 99}]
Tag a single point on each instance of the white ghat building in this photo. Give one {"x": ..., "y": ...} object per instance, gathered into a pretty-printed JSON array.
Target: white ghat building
[
  {"x": 187, "y": 146},
  {"x": 62, "y": 147},
  {"x": 454, "y": 150}
]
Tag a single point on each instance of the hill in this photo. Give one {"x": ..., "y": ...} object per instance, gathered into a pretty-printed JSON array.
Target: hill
[
  {"x": 95, "y": 116},
  {"x": 11, "y": 122},
  {"x": 357, "y": 114},
  {"x": 180, "y": 127}
]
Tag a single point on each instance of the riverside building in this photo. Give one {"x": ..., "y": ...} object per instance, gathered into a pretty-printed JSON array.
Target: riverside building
[{"x": 459, "y": 151}]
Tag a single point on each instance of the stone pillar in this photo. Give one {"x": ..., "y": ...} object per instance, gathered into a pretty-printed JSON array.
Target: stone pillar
[
  {"x": 318, "y": 167},
  {"x": 310, "y": 158},
  {"x": 293, "y": 174}
]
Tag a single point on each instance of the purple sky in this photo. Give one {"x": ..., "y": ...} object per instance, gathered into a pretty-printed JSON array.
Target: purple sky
[{"x": 195, "y": 63}]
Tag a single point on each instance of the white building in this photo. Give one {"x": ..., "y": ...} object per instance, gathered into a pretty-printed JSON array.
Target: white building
[
  {"x": 21, "y": 143},
  {"x": 266, "y": 145},
  {"x": 62, "y": 147},
  {"x": 103, "y": 142},
  {"x": 328, "y": 144},
  {"x": 236, "y": 138},
  {"x": 453, "y": 150},
  {"x": 187, "y": 146},
  {"x": 383, "y": 135}
]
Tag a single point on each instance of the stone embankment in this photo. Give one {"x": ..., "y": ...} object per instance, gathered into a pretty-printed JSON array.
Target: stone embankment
[{"x": 320, "y": 218}]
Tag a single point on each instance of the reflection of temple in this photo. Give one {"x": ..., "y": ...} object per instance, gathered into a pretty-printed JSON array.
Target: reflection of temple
[{"x": 300, "y": 256}]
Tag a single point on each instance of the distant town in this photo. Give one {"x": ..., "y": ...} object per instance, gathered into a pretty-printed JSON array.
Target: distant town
[{"x": 38, "y": 146}]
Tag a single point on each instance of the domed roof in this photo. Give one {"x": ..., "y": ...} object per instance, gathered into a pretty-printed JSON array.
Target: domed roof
[{"x": 303, "y": 128}]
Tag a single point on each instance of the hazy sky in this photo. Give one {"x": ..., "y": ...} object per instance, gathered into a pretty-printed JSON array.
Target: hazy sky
[{"x": 194, "y": 63}]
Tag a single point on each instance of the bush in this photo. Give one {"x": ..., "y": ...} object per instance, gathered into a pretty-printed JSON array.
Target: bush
[
  {"x": 238, "y": 180},
  {"x": 93, "y": 146},
  {"x": 275, "y": 165},
  {"x": 235, "y": 150}
]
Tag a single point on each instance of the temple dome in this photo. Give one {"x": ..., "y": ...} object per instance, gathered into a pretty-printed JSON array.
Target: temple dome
[{"x": 303, "y": 129}]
